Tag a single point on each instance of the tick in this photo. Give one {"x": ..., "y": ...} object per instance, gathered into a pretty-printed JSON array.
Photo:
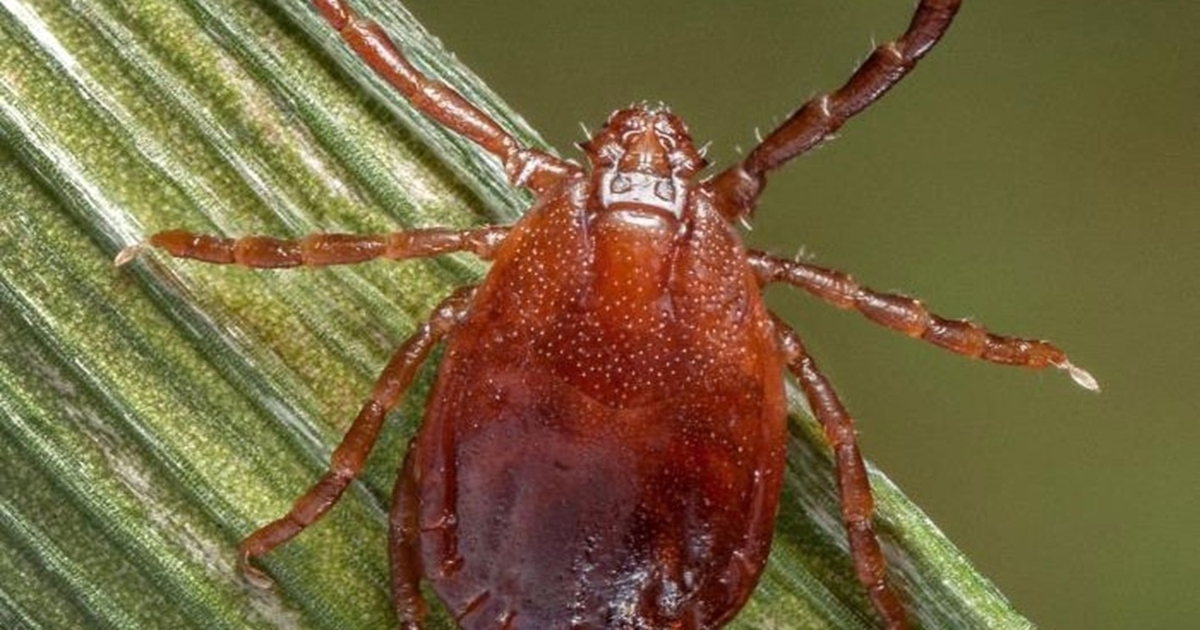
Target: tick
[{"x": 604, "y": 443}]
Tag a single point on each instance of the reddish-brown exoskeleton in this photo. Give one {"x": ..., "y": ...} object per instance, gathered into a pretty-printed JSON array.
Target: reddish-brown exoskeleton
[{"x": 604, "y": 444}]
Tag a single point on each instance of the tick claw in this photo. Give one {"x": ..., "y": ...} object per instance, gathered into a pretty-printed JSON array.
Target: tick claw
[
  {"x": 1082, "y": 377},
  {"x": 129, "y": 253},
  {"x": 255, "y": 576}
]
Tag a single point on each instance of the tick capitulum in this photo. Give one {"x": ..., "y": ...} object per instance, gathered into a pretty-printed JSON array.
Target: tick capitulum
[{"x": 613, "y": 457}]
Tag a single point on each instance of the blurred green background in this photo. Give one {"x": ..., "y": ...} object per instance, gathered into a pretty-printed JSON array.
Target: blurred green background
[{"x": 1038, "y": 173}]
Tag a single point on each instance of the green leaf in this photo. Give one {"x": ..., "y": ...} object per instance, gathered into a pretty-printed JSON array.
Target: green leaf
[{"x": 151, "y": 416}]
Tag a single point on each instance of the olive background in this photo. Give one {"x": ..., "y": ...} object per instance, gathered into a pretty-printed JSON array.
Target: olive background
[{"x": 1037, "y": 172}]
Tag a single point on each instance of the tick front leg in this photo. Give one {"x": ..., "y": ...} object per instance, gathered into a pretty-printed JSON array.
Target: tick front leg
[
  {"x": 738, "y": 187},
  {"x": 525, "y": 167},
  {"x": 319, "y": 250},
  {"x": 853, "y": 483},
  {"x": 910, "y": 317},
  {"x": 350, "y": 455}
]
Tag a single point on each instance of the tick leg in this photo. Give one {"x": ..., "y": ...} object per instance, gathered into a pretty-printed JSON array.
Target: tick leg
[
  {"x": 853, "y": 484},
  {"x": 402, "y": 547},
  {"x": 738, "y": 187},
  {"x": 525, "y": 167},
  {"x": 910, "y": 317},
  {"x": 350, "y": 455},
  {"x": 319, "y": 250}
]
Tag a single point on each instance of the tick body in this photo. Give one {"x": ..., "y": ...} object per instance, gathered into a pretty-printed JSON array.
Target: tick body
[
  {"x": 612, "y": 412},
  {"x": 604, "y": 443}
]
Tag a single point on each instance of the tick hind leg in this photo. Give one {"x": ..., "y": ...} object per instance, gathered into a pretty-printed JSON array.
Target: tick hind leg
[
  {"x": 350, "y": 455},
  {"x": 403, "y": 553},
  {"x": 853, "y": 484}
]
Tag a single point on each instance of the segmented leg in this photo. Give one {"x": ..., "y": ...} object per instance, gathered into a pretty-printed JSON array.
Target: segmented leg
[
  {"x": 525, "y": 167},
  {"x": 350, "y": 455},
  {"x": 403, "y": 553},
  {"x": 910, "y": 317},
  {"x": 738, "y": 187},
  {"x": 853, "y": 484},
  {"x": 319, "y": 250}
]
